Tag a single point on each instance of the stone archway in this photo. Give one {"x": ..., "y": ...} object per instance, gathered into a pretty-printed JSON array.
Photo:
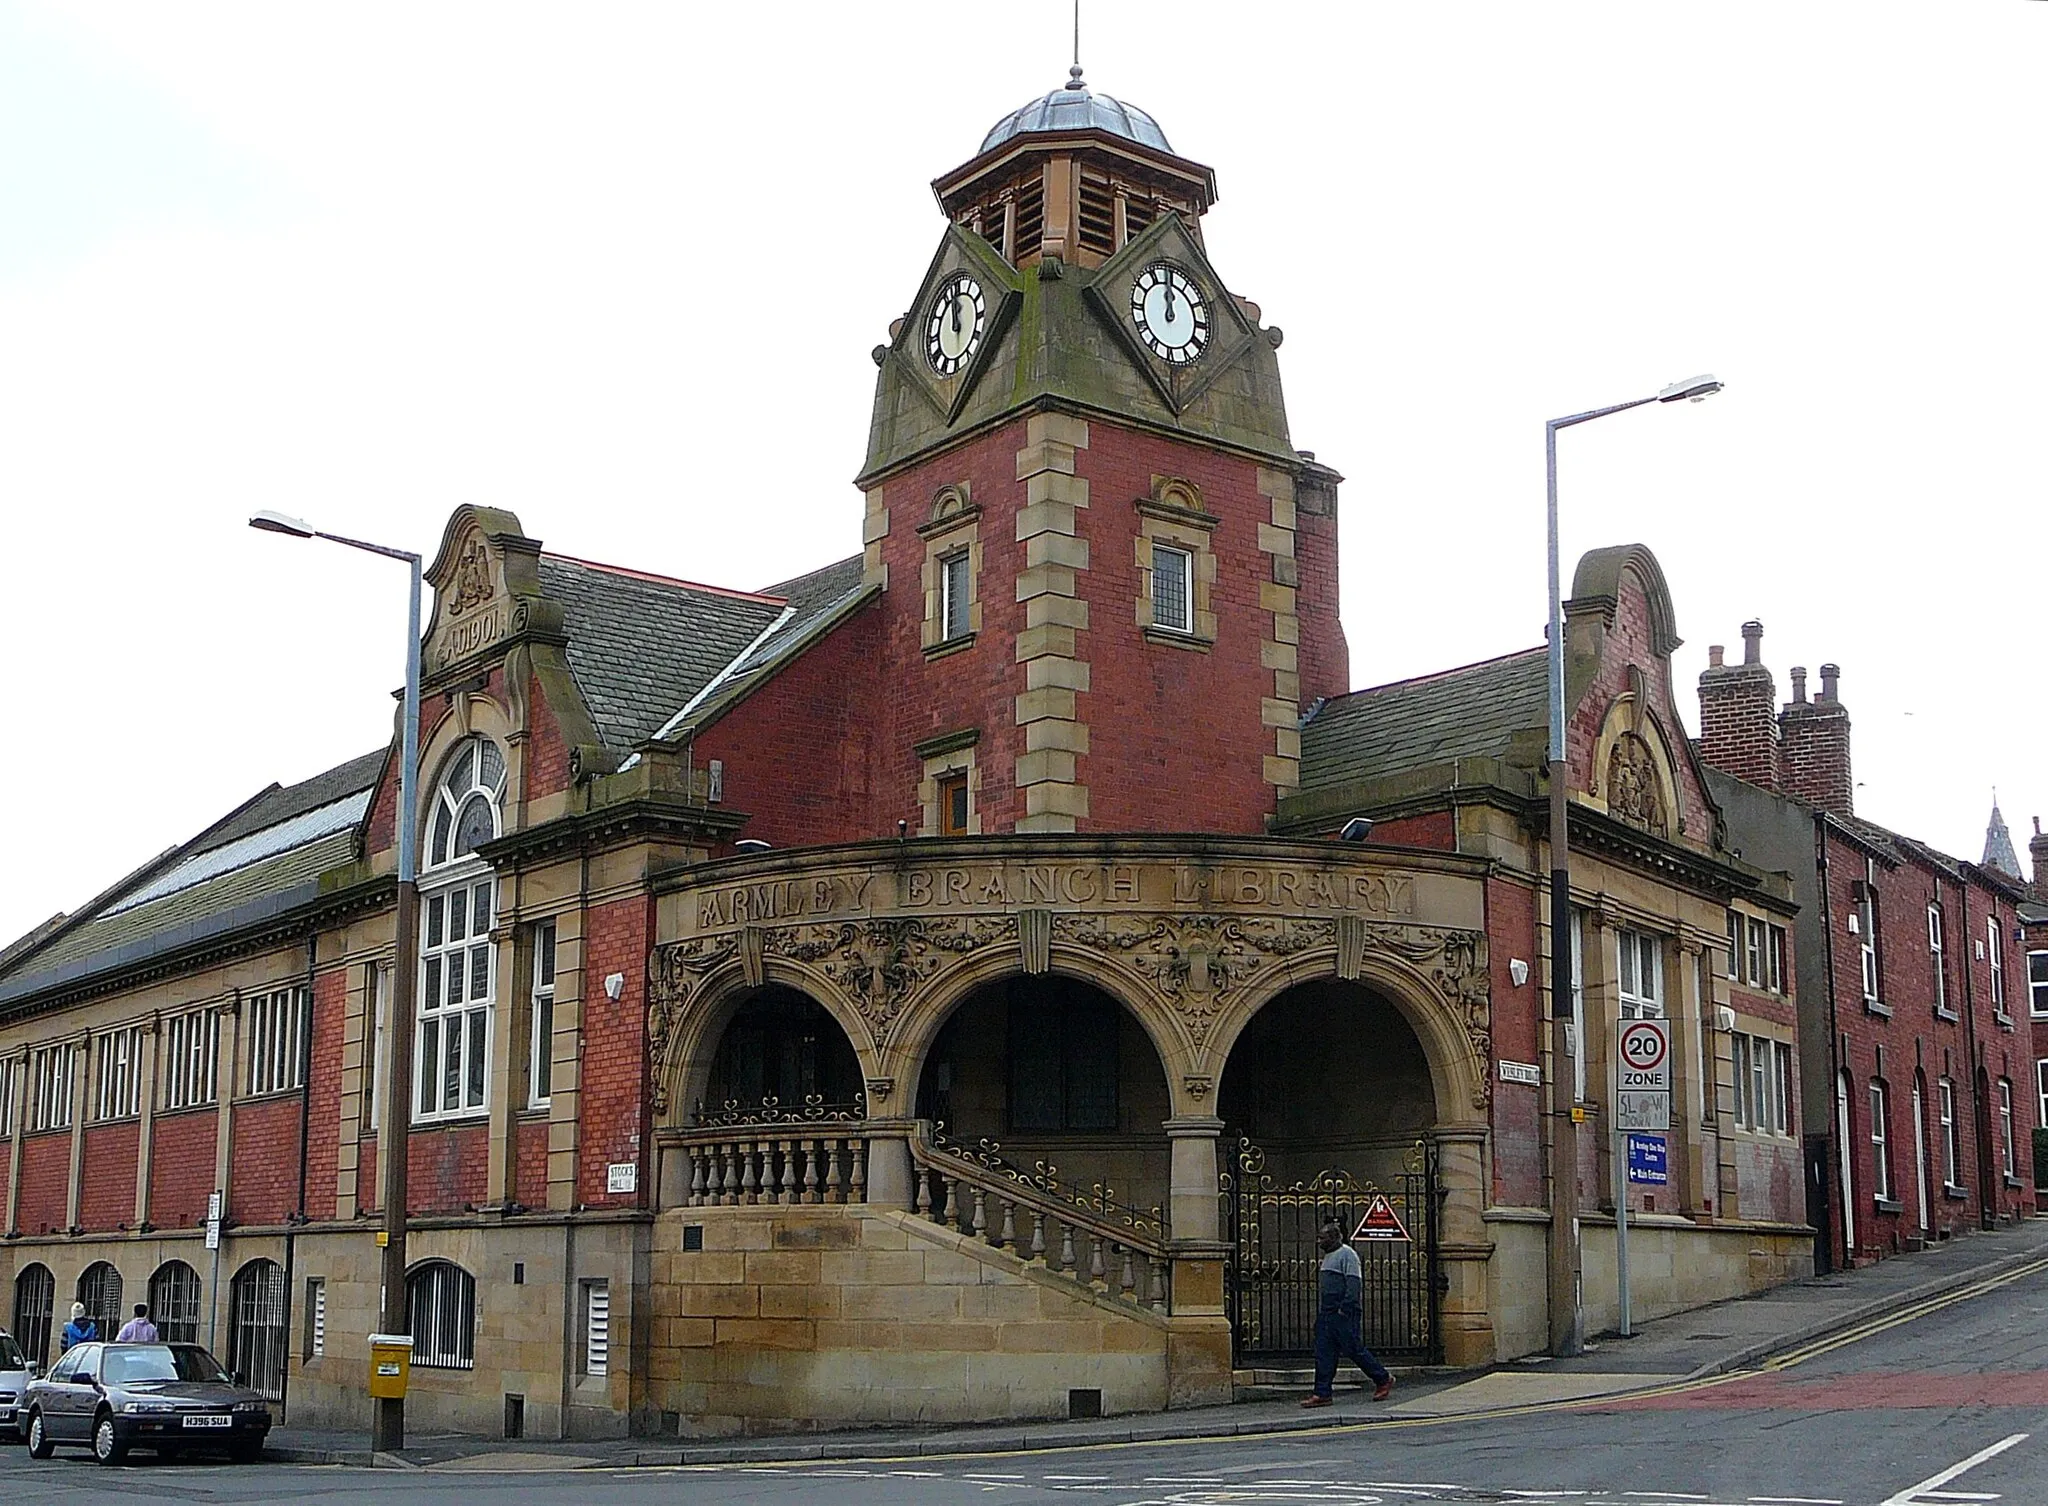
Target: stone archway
[
  {"x": 779, "y": 1048},
  {"x": 1058, "y": 1077}
]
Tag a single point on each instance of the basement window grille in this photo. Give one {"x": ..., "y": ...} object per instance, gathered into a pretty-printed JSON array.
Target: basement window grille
[{"x": 597, "y": 1327}]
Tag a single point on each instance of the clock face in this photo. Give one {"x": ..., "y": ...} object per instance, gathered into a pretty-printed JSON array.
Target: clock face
[
  {"x": 1171, "y": 313},
  {"x": 953, "y": 328}
]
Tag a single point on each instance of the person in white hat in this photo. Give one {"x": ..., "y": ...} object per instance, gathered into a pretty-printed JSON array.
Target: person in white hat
[{"x": 80, "y": 1330}]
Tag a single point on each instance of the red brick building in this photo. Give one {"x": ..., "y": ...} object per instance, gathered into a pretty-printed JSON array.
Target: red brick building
[
  {"x": 934, "y": 987},
  {"x": 1918, "y": 1101}
]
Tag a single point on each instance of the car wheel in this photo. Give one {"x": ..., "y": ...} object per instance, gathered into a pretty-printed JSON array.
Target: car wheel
[
  {"x": 107, "y": 1446},
  {"x": 40, "y": 1444}
]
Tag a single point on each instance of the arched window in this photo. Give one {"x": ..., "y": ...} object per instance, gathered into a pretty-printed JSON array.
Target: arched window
[
  {"x": 100, "y": 1290},
  {"x": 174, "y": 1302},
  {"x": 465, "y": 814},
  {"x": 458, "y": 963},
  {"x": 256, "y": 1336},
  {"x": 35, "y": 1293},
  {"x": 440, "y": 1308}
]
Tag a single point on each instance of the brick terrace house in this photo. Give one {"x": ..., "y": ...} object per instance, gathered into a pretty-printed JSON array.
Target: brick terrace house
[
  {"x": 1916, "y": 1060},
  {"x": 929, "y": 988},
  {"x": 2033, "y": 913}
]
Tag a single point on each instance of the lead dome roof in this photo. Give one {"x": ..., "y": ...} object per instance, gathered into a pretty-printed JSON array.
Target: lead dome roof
[{"x": 1073, "y": 107}]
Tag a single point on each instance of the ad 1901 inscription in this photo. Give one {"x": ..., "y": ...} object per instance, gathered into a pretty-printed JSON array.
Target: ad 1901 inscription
[{"x": 996, "y": 886}]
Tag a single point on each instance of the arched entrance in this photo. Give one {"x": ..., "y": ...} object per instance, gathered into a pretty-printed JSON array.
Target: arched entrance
[
  {"x": 780, "y": 1049},
  {"x": 99, "y": 1288},
  {"x": 1329, "y": 1110},
  {"x": 1057, "y": 1079},
  {"x": 174, "y": 1302}
]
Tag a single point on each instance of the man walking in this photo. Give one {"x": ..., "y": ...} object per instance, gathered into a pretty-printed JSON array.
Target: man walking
[
  {"x": 138, "y": 1329},
  {"x": 1339, "y": 1288}
]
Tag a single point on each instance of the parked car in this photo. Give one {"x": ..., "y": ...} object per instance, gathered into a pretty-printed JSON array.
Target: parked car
[
  {"x": 167, "y": 1397},
  {"x": 15, "y": 1374}
]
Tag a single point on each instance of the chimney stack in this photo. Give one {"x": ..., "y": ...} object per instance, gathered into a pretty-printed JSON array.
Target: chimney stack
[
  {"x": 1738, "y": 724},
  {"x": 1798, "y": 684},
  {"x": 2037, "y": 849},
  {"x": 1816, "y": 748}
]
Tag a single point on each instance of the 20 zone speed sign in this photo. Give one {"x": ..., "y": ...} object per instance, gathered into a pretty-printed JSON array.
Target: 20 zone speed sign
[{"x": 1645, "y": 1056}]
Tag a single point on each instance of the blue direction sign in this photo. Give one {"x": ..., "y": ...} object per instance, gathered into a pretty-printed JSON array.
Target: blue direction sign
[{"x": 1648, "y": 1160}]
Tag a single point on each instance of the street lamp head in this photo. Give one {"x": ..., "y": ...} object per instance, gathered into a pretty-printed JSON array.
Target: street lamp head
[
  {"x": 277, "y": 522},
  {"x": 1698, "y": 388}
]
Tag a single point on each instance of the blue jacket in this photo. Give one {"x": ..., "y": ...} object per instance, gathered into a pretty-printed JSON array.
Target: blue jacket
[{"x": 84, "y": 1331}]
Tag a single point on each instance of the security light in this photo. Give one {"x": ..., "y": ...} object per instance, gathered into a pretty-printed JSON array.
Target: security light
[{"x": 1357, "y": 829}]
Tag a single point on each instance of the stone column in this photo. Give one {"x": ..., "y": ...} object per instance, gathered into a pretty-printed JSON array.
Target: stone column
[
  {"x": 1684, "y": 1017},
  {"x": 16, "y": 1069},
  {"x": 228, "y": 1068},
  {"x": 507, "y": 1095},
  {"x": 889, "y": 1179},
  {"x": 1193, "y": 1211},
  {"x": 81, "y": 1062},
  {"x": 1601, "y": 1007},
  {"x": 145, "y": 1136},
  {"x": 566, "y": 1088},
  {"x": 1464, "y": 1245}
]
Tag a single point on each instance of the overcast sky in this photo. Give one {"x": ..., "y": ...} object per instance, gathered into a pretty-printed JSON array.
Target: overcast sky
[{"x": 618, "y": 268}]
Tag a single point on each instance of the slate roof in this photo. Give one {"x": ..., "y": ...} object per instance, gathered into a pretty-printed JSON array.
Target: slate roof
[
  {"x": 265, "y": 859},
  {"x": 1476, "y": 711},
  {"x": 642, "y": 645}
]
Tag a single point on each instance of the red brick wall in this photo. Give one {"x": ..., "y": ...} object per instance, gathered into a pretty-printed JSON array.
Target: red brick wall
[
  {"x": 323, "y": 1130},
  {"x": 1437, "y": 829},
  {"x": 1816, "y": 755},
  {"x": 530, "y": 1178},
  {"x": 615, "y": 1101},
  {"x": 547, "y": 756},
  {"x": 1739, "y": 722},
  {"x": 181, "y": 1167},
  {"x": 1325, "y": 655},
  {"x": 45, "y": 1183},
  {"x": 447, "y": 1169},
  {"x": 798, "y": 750},
  {"x": 369, "y": 1191},
  {"x": 106, "y": 1195},
  {"x": 263, "y": 1166},
  {"x": 1517, "y": 1036}
]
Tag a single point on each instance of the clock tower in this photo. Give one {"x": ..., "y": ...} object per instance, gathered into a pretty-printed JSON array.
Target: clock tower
[{"x": 1109, "y": 578}]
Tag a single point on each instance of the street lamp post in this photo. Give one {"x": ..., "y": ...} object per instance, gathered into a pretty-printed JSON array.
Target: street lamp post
[
  {"x": 387, "y": 1427},
  {"x": 1567, "y": 1319}
]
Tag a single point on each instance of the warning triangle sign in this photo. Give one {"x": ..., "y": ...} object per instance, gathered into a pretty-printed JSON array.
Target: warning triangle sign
[{"x": 1380, "y": 1221}]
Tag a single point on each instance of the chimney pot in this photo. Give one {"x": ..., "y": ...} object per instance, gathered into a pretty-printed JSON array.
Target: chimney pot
[
  {"x": 1714, "y": 653},
  {"x": 1799, "y": 684},
  {"x": 1752, "y": 642},
  {"x": 1829, "y": 675}
]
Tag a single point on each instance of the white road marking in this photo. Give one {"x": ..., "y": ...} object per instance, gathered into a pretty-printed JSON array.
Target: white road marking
[
  {"x": 1930, "y": 1489},
  {"x": 1793, "y": 1501}
]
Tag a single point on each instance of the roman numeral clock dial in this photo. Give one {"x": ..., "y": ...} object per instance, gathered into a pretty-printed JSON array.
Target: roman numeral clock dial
[
  {"x": 953, "y": 328},
  {"x": 1171, "y": 314}
]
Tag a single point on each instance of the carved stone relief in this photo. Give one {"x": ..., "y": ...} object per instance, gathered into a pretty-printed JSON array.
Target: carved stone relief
[{"x": 1634, "y": 791}]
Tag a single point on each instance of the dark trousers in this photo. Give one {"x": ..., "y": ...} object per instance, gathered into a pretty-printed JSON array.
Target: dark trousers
[{"x": 1337, "y": 1337}]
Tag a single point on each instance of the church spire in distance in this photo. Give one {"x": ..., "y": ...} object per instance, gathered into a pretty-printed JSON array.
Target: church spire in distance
[{"x": 1998, "y": 849}]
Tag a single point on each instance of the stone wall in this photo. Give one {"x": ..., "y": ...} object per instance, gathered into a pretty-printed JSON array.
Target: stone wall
[{"x": 793, "y": 1318}]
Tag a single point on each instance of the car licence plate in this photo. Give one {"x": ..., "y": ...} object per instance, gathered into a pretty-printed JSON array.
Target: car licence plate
[{"x": 209, "y": 1422}]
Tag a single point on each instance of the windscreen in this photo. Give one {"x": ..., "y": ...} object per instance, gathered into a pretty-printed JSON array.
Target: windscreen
[{"x": 159, "y": 1362}]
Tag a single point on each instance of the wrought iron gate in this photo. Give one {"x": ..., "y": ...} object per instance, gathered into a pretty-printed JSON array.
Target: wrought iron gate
[{"x": 1270, "y": 1277}]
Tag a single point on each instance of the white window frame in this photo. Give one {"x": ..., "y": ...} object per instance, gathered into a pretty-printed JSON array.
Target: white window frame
[
  {"x": 1951, "y": 1152},
  {"x": 191, "y": 1059},
  {"x": 2041, "y": 1086},
  {"x": 1937, "y": 951},
  {"x": 1880, "y": 1139},
  {"x": 1780, "y": 977},
  {"x": 956, "y": 594},
  {"x": 473, "y": 770},
  {"x": 451, "y": 1002},
  {"x": 1781, "y": 1087},
  {"x": 117, "y": 1073},
  {"x": 1738, "y": 1059},
  {"x": 597, "y": 1328},
  {"x": 277, "y": 1022},
  {"x": 1637, "y": 954},
  {"x": 9, "y": 1076},
  {"x": 540, "y": 1065},
  {"x": 1866, "y": 914},
  {"x": 1754, "y": 972},
  {"x": 1994, "y": 952},
  {"x": 2037, "y": 984},
  {"x": 2007, "y": 1158},
  {"x": 50, "y": 1086},
  {"x": 1185, "y": 623},
  {"x": 1735, "y": 932}
]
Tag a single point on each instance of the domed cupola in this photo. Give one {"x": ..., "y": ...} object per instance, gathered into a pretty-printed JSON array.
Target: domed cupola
[
  {"x": 1073, "y": 108},
  {"x": 1073, "y": 175}
]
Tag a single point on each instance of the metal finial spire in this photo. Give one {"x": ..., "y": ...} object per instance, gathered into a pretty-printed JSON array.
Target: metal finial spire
[{"x": 1074, "y": 73}]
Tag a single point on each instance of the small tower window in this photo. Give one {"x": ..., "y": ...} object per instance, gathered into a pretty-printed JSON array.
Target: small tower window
[
  {"x": 953, "y": 804},
  {"x": 1172, "y": 593},
  {"x": 953, "y": 589}
]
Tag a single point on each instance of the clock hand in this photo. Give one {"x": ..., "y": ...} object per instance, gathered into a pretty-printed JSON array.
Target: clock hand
[
  {"x": 958, "y": 299},
  {"x": 1169, "y": 299}
]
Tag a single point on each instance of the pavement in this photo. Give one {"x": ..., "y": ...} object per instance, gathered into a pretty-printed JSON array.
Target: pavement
[{"x": 1706, "y": 1341}]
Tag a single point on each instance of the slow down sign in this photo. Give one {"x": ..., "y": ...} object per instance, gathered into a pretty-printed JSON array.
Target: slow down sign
[{"x": 1642, "y": 1085}]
